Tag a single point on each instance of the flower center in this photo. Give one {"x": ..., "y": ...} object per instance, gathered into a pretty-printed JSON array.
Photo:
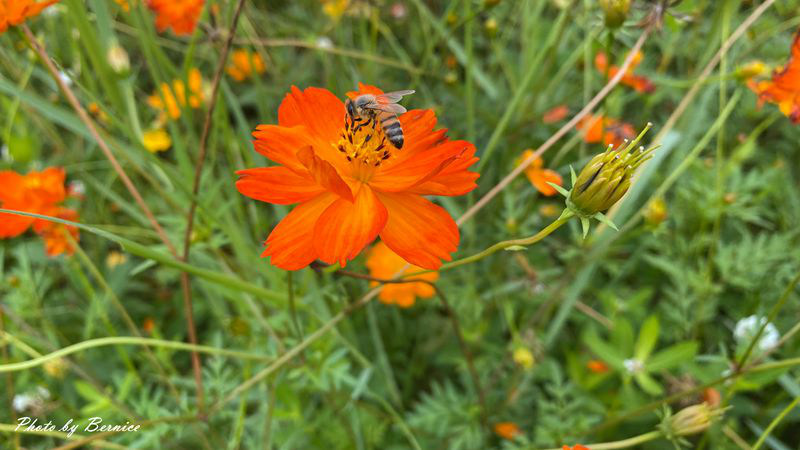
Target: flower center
[{"x": 364, "y": 144}]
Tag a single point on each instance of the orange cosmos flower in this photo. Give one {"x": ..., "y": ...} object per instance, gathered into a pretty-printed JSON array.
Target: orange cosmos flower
[
  {"x": 180, "y": 15},
  {"x": 171, "y": 99},
  {"x": 637, "y": 82},
  {"x": 575, "y": 447},
  {"x": 14, "y": 12},
  {"x": 784, "y": 87},
  {"x": 383, "y": 263},
  {"x": 506, "y": 430},
  {"x": 244, "y": 63},
  {"x": 597, "y": 366},
  {"x": 602, "y": 129},
  {"x": 352, "y": 185},
  {"x": 555, "y": 114},
  {"x": 539, "y": 176},
  {"x": 38, "y": 193}
]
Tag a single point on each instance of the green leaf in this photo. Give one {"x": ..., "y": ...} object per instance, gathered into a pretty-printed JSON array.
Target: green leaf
[
  {"x": 604, "y": 350},
  {"x": 648, "y": 336},
  {"x": 648, "y": 383},
  {"x": 672, "y": 356}
]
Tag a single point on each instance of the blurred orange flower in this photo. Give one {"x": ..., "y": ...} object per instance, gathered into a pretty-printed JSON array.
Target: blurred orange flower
[
  {"x": 14, "y": 12},
  {"x": 180, "y": 15},
  {"x": 353, "y": 185},
  {"x": 555, "y": 114},
  {"x": 575, "y": 447},
  {"x": 602, "y": 129},
  {"x": 383, "y": 263},
  {"x": 539, "y": 176},
  {"x": 783, "y": 88},
  {"x": 597, "y": 366},
  {"x": 244, "y": 64},
  {"x": 637, "y": 82},
  {"x": 170, "y": 100},
  {"x": 38, "y": 193},
  {"x": 506, "y": 430}
]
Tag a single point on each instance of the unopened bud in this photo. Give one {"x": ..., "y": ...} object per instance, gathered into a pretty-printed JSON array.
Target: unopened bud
[
  {"x": 606, "y": 178},
  {"x": 118, "y": 59},
  {"x": 524, "y": 357},
  {"x": 690, "y": 420},
  {"x": 616, "y": 11},
  {"x": 491, "y": 27}
]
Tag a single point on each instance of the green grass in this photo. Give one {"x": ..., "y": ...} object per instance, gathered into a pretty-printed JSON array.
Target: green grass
[{"x": 312, "y": 359}]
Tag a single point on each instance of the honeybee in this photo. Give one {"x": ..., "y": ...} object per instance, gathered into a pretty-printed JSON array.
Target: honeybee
[{"x": 368, "y": 109}]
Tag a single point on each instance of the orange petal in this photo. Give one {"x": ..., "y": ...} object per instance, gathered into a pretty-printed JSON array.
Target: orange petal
[
  {"x": 12, "y": 186},
  {"x": 345, "y": 228},
  {"x": 364, "y": 89},
  {"x": 291, "y": 243},
  {"x": 419, "y": 231},
  {"x": 12, "y": 225},
  {"x": 543, "y": 176},
  {"x": 324, "y": 173},
  {"x": 277, "y": 185},
  {"x": 317, "y": 109},
  {"x": 281, "y": 144},
  {"x": 453, "y": 180},
  {"x": 423, "y": 166}
]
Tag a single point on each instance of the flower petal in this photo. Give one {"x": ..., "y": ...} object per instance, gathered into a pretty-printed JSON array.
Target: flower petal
[
  {"x": 12, "y": 225},
  {"x": 324, "y": 173},
  {"x": 345, "y": 228},
  {"x": 291, "y": 243},
  {"x": 317, "y": 109},
  {"x": 540, "y": 179},
  {"x": 419, "y": 231},
  {"x": 277, "y": 185},
  {"x": 281, "y": 144},
  {"x": 12, "y": 186},
  {"x": 453, "y": 180}
]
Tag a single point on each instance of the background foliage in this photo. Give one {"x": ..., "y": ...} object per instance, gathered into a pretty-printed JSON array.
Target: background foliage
[{"x": 666, "y": 294}]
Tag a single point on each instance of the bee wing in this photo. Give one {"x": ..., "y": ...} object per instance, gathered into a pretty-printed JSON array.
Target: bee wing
[
  {"x": 392, "y": 97},
  {"x": 393, "y": 108}
]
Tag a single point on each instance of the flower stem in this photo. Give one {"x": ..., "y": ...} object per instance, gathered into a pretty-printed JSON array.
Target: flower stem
[
  {"x": 625, "y": 443},
  {"x": 775, "y": 423},
  {"x": 562, "y": 219}
]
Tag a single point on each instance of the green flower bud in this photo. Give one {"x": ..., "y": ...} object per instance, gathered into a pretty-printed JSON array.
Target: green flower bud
[
  {"x": 616, "y": 11},
  {"x": 606, "y": 178},
  {"x": 690, "y": 420}
]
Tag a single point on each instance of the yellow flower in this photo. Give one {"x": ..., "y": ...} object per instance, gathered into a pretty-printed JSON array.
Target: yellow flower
[
  {"x": 655, "y": 212},
  {"x": 116, "y": 258},
  {"x": 244, "y": 63},
  {"x": 156, "y": 140},
  {"x": 171, "y": 99},
  {"x": 335, "y": 9},
  {"x": 55, "y": 368},
  {"x": 524, "y": 357}
]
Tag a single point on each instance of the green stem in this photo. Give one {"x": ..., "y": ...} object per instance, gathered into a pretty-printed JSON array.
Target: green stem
[
  {"x": 775, "y": 423},
  {"x": 625, "y": 443},
  {"x": 125, "y": 340},
  {"x": 565, "y": 216}
]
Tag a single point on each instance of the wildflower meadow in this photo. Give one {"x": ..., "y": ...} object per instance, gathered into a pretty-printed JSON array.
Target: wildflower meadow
[{"x": 400, "y": 224}]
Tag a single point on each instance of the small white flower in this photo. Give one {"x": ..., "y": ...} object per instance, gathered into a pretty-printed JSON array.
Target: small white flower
[
  {"x": 747, "y": 328},
  {"x": 22, "y": 402},
  {"x": 633, "y": 365},
  {"x": 65, "y": 78},
  {"x": 324, "y": 42}
]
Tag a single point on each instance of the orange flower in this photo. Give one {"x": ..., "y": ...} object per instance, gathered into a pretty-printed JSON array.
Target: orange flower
[
  {"x": 637, "y": 82},
  {"x": 180, "y": 15},
  {"x": 506, "y": 430},
  {"x": 353, "y": 185},
  {"x": 171, "y": 100},
  {"x": 784, "y": 87},
  {"x": 383, "y": 263},
  {"x": 575, "y": 447},
  {"x": 555, "y": 114},
  {"x": 38, "y": 193},
  {"x": 608, "y": 131},
  {"x": 538, "y": 176},
  {"x": 244, "y": 63},
  {"x": 712, "y": 397},
  {"x": 597, "y": 366},
  {"x": 14, "y": 12}
]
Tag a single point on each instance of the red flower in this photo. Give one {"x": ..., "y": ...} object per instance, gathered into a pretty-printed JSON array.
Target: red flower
[
  {"x": 637, "y": 82},
  {"x": 352, "y": 185},
  {"x": 180, "y": 15},
  {"x": 784, "y": 87},
  {"x": 38, "y": 193},
  {"x": 14, "y": 12}
]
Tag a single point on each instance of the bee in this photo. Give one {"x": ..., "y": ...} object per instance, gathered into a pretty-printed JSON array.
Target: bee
[{"x": 368, "y": 109}]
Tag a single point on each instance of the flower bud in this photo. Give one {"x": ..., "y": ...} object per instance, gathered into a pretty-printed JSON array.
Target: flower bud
[
  {"x": 118, "y": 59},
  {"x": 616, "y": 11},
  {"x": 606, "y": 178},
  {"x": 491, "y": 26},
  {"x": 655, "y": 212},
  {"x": 524, "y": 357},
  {"x": 690, "y": 420}
]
